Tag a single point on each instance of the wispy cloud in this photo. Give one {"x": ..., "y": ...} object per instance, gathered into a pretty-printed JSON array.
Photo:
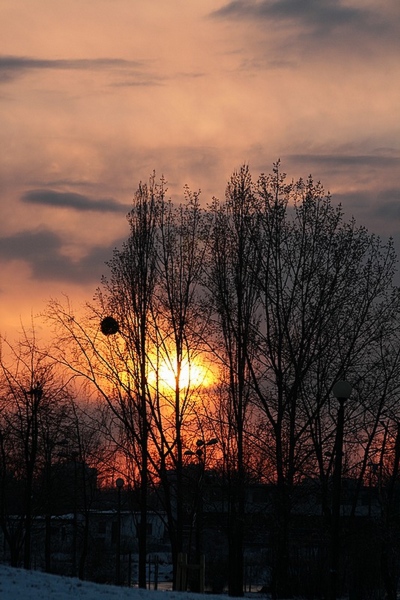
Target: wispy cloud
[
  {"x": 42, "y": 251},
  {"x": 128, "y": 73},
  {"x": 12, "y": 67},
  {"x": 349, "y": 160},
  {"x": 72, "y": 200}
]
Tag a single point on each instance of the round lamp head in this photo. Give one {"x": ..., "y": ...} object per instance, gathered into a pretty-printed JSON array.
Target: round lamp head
[
  {"x": 342, "y": 389},
  {"x": 119, "y": 483},
  {"x": 109, "y": 326}
]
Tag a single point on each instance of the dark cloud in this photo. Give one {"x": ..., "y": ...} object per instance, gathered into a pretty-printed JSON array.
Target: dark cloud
[
  {"x": 372, "y": 204},
  {"x": 42, "y": 251},
  {"x": 309, "y": 12},
  {"x": 12, "y": 67},
  {"x": 315, "y": 20},
  {"x": 358, "y": 203},
  {"x": 379, "y": 211},
  {"x": 388, "y": 204},
  {"x": 332, "y": 161},
  {"x": 72, "y": 200}
]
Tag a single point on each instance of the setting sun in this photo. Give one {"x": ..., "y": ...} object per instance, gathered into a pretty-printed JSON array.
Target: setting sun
[{"x": 193, "y": 374}]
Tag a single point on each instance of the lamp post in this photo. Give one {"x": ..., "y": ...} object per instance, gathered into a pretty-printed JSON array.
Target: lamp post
[
  {"x": 119, "y": 483},
  {"x": 200, "y": 454},
  {"x": 32, "y": 406},
  {"x": 50, "y": 445},
  {"x": 109, "y": 327},
  {"x": 341, "y": 390}
]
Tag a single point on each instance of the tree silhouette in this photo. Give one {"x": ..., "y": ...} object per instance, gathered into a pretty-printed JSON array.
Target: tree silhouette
[{"x": 287, "y": 296}]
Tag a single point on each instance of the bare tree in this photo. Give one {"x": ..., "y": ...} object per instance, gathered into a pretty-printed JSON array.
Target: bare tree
[
  {"x": 117, "y": 365},
  {"x": 149, "y": 312},
  {"x": 326, "y": 296},
  {"x": 232, "y": 285},
  {"x": 130, "y": 297},
  {"x": 173, "y": 331},
  {"x": 32, "y": 394},
  {"x": 303, "y": 299}
]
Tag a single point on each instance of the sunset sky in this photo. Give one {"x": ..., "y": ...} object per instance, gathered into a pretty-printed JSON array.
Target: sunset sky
[{"x": 96, "y": 94}]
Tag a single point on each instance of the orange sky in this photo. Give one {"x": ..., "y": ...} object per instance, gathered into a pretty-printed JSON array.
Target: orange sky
[{"x": 96, "y": 94}]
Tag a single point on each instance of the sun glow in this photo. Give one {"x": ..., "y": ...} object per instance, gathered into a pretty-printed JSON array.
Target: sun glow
[{"x": 192, "y": 374}]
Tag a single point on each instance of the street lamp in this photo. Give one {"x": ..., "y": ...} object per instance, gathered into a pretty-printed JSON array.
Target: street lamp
[
  {"x": 200, "y": 444},
  {"x": 119, "y": 483},
  {"x": 200, "y": 453},
  {"x": 109, "y": 326},
  {"x": 341, "y": 390},
  {"x": 36, "y": 393}
]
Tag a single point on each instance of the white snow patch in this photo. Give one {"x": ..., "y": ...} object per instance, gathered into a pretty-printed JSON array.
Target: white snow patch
[{"x": 19, "y": 584}]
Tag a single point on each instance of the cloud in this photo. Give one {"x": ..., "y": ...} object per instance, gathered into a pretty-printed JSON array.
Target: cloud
[
  {"x": 142, "y": 82},
  {"x": 312, "y": 22},
  {"x": 309, "y": 12},
  {"x": 347, "y": 160},
  {"x": 388, "y": 204},
  {"x": 156, "y": 79},
  {"x": 72, "y": 200},
  {"x": 379, "y": 211},
  {"x": 12, "y": 67},
  {"x": 128, "y": 73},
  {"x": 42, "y": 251}
]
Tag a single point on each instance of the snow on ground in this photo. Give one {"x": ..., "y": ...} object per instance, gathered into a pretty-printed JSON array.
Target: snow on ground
[{"x": 19, "y": 584}]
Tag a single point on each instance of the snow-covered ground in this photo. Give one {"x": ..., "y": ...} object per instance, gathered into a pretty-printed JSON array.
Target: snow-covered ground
[{"x": 18, "y": 584}]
